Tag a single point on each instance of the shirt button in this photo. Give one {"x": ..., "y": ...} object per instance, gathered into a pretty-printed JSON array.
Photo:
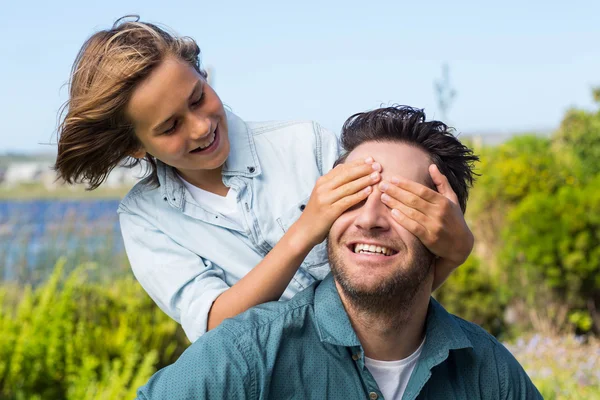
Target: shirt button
[
  {"x": 251, "y": 169},
  {"x": 356, "y": 356},
  {"x": 373, "y": 396}
]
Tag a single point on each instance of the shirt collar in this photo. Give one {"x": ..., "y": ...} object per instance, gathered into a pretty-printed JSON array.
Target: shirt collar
[
  {"x": 442, "y": 330},
  {"x": 443, "y": 334},
  {"x": 242, "y": 161},
  {"x": 330, "y": 314}
]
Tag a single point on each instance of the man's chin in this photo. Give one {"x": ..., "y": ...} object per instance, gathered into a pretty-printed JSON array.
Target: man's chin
[{"x": 370, "y": 285}]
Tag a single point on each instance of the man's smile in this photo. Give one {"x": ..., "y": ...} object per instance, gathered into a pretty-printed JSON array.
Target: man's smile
[{"x": 364, "y": 250}]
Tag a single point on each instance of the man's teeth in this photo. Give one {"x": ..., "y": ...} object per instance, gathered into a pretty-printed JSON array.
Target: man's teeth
[
  {"x": 210, "y": 141},
  {"x": 370, "y": 248}
]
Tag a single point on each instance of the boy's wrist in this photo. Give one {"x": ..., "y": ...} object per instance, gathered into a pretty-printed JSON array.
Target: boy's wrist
[{"x": 299, "y": 239}]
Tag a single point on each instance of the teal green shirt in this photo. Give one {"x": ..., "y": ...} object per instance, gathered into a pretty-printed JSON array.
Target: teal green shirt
[{"x": 306, "y": 348}]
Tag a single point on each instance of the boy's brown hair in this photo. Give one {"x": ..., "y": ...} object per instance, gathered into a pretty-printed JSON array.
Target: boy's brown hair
[{"x": 95, "y": 136}]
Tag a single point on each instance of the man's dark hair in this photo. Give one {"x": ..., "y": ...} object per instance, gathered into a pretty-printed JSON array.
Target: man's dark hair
[{"x": 407, "y": 125}]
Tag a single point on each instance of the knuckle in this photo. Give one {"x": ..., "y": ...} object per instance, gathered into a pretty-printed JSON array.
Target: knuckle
[
  {"x": 437, "y": 230},
  {"x": 445, "y": 206},
  {"x": 348, "y": 201},
  {"x": 418, "y": 230},
  {"x": 411, "y": 213},
  {"x": 434, "y": 236},
  {"x": 412, "y": 201}
]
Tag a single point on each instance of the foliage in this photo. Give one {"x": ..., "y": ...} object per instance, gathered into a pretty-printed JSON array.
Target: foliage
[
  {"x": 69, "y": 339},
  {"x": 579, "y": 133},
  {"x": 473, "y": 294},
  {"x": 521, "y": 166},
  {"x": 555, "y": 241},
  {"x": 535, "y": 213}
]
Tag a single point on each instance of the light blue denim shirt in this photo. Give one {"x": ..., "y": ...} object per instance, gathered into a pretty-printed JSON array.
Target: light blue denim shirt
[{"x": 185, "y": 256}]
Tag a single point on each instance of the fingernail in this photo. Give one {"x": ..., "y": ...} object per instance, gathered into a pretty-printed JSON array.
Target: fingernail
[
  {"x": 395, "y": 212},
  {"x": 369, "y": 160},
  {"x": 376, "y": 166},
  {"x": 383, "y": 186},
  {"x": 385, "y": 197},
  {"x": 375, "y": 175},
  {"x": 368, "y": 189},
  {"x": 395, "y": 180}
]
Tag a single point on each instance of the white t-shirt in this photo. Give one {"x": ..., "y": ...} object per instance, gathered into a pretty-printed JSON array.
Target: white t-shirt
[
  {"x": 392, "y": 376},
  {"x": 226, "y": 206}
]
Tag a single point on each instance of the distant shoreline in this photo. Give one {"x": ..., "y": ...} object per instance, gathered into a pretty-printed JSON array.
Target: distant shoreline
[{"x": 39, "y": 192}]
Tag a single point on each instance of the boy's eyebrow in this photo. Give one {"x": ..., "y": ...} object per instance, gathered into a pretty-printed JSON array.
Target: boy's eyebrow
[{"x": 197, "y": 86}]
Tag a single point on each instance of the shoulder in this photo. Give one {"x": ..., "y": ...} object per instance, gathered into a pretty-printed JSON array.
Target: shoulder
[
  {"x": 495, "y": 359},
  {"x": 483, "y": 342},
  {"x": 301, "y": 140},
  {"x": 283, "y": 127},
  {"x": 214, "y": 365},
  {"x": 272, "y": 317},
  {"x": 141, "y": 193},
  {"x": 309, "y": 132}
]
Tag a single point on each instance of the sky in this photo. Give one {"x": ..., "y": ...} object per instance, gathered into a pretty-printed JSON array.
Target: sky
[{"x": 516, "y": 66}]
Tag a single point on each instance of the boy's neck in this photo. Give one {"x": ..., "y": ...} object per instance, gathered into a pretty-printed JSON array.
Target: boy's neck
[{"x": 209, "y": 180}]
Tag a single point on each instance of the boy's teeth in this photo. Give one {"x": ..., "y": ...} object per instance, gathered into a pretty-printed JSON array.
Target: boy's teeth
[{"x": 212, "y": 138}]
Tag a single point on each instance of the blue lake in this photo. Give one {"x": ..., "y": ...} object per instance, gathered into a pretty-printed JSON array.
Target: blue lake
[{"x": 35, "y": 233}]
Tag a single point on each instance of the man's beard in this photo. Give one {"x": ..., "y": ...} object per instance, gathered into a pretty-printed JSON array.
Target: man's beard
[{"x": 394, "y": 295}]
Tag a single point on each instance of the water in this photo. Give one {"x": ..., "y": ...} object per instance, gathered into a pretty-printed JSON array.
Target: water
[{"x": 34, "y": 234}]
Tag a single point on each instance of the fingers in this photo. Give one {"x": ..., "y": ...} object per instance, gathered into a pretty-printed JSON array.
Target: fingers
[
  {"x": 346, "y": 202},
  {"x": 442, "y": 184},
  {"x": 410, "y": 225},
  {"x": 354, "y": 186},
  {"x": 394, "y": 195},
  {"x": 415, "y": 188},
  {"x": 410, "y": 212},
  {"x": 345, "y": 173}
]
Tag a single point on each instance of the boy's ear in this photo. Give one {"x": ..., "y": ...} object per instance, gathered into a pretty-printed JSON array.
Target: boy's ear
[{"x": 140, "y": 153}]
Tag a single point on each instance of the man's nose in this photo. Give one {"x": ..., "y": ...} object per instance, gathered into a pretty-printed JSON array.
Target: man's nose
[
  {"x": 200, "y": 126},
  {"x": 373, "y": 215}
]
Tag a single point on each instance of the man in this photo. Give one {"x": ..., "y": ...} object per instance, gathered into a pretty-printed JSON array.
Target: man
[{"x": 370, "y": 330}]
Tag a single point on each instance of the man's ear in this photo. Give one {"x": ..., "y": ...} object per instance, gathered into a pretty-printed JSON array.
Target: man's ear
[{"x": 139, "y": 154}]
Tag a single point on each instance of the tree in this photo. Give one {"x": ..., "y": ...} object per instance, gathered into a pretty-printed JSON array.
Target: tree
[
  {"x": 444, "y": 92},
  {"x": 579, "y": 133}
]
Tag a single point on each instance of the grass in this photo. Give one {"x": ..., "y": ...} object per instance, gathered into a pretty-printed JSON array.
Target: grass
[{"x": 561, "y": 367}]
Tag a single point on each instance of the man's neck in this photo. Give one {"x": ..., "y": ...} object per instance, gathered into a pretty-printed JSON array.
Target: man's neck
[{"x": 391, "y": 335}]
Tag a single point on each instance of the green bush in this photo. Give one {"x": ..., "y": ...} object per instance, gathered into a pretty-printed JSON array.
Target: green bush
[
  {"x": 473, "y": 294},
  {"x": 552, "y": 242},
  {"x": 508, "y": 174},
  {"x": 580, "y": 134},
  {"x": 523, "y": 165},
  {"x": 71, "y": 339}
]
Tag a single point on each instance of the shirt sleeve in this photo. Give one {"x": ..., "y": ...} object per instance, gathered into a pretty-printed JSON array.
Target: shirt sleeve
[
  {"x": 330, "y": 149},
  {"x": 514, "y": 381},
  {"x": 180, "y": 282},
  {"x": 214, "y": 367}
]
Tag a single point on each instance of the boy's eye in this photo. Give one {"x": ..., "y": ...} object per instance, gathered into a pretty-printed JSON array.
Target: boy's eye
[
  {"x": 171, "y": 129},
  {"x": 199, "y": 101}
]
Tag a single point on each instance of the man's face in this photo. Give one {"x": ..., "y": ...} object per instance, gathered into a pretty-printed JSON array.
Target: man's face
[{"x": 371, "y": 255}]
